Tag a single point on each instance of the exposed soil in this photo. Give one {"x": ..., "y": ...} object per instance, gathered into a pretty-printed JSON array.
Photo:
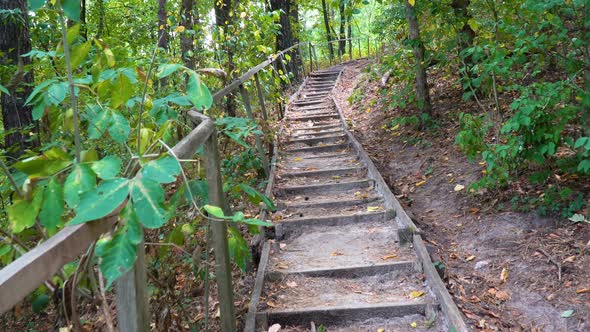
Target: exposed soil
[{"x": 507, "y": 271}]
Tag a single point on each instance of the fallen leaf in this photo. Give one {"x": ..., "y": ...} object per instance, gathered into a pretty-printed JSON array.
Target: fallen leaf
[
  {"x": 336, "y": 177},
  {"x": 567, "y": 313},
  {"x": 337, "y": 253},
  {"x": 459, "y": 187},
  {"x": 298, "y": 159},
  {"x": 583, "y": 290},
  {"x": 282, "y": 245},
  {"x": 570, "y": 259},
  {"x": 283, "y": 266},
  {"x": 271, "y": 304},
  {"x": 502, "y": 296},
  {"x": 492, "y": 291},
  {"x": 414, "y": 324},
  {"x": 420, "y": 183},
  {"x": 453, "y": 255},
  {"x": 291, "y": 284},
  {"x": 470, "y": 258},
  {"x": 388, "y": 257},
  {"x": 416, "y": 294},
  {"x": 374, "y": 208},
  {"x": 275, "y": 328},
  {"x": 381, "y": 330},
  {"x": 504, "y": 275}
]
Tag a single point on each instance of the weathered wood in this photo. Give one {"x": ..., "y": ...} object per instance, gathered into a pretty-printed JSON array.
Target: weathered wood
[
  {"x": 257, "y": 291},
  {"x": 260, "y": 97},
  {"x": 26, "y": 273},
  {"x": 219, "y": 238},
  {"x": 284, "y": 68},
  {"x": 309, "y": 46},
  {"x": 132, "y": 297},
  {"x": 446, "y": 302},
  {"x": 257, "y": 138},
  {"x": 244, "y": 78}
]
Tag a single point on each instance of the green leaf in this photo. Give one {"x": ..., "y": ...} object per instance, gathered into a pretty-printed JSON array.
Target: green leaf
[
  {"x": 163, "y": 170},
  {"x": 48, "y": 164},
  {"x": 3, "y": 89},
  {"x": 238, "y": 248},
  {"x": 40, "y": 303},
  {"x": 176, "y": 237},
  {"x": 200, "y": 191},
  {"x": 117, "y": 256},
  {"x": 53, "y": 205},
  {"x": 99, "y": 120},
  {"x": 256, "y": 222},
  {"x": 107, "y": 168},
  {"x": 71, "y": 9},
  {"x": 34, "y": 5},
  {"x": 122, "y": 91},
  {"x": 101, "y": 201},
  {"x": 198, "y": 93},
  {"x": 120, "y": 128},
  {"x": 584, "y": 166},
  {"x": 57, "y": 93},
  {"x": 167, "y": 69},
  {"x": 148, "y": 202},
  {"x": 38, "y": 89},
  {"x": 22, "y": 213},
  {"x": 257, "y": 197},
  {"x": 582, "y": 142},
  {"x": 79, "y": 53},
  {"x": 567, "y": 314},
  {"x": 577, "y": 218},
  {"x": 79, "y": 181},
  {"x": 215, "y": 211}
]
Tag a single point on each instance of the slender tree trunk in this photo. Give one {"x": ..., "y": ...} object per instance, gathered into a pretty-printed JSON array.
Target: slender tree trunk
[
  {"x": 586, "y": 32},
  {"x": 327, "y": 25},
  {"x": 287, "y": 19},
  {"x": 15, "y": 41},
  {"x": 83, "y": 19},
  {"x": 297, "y": 62},
  {"x": 342, "y": 43},
  {"x": 422, "y": 92},
  {"x": 100, "y": 8},
  {"x": 349, "y": 25},
  {"x": 162, "y": 32},
  {"x": 186, "y": 40},
  {"x": 222, "y": 20}
]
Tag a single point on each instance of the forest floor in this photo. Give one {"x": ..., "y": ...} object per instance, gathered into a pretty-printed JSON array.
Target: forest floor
[{"x": 507, "y": 271}]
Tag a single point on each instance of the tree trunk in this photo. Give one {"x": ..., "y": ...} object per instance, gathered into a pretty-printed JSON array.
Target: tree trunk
[
  {"x": 297, "y": 62},
  {"x": 342, "y": 43},
  {"x": 422, "y": 92},
  {"x": 100, "y": 29},
  {"x": 328, "y": 32},
  {"x": 15, "y": 41},
  {"x": 162, "y": 32},
  {"x": 586, "y": 112},
  {"x": 186, "y": 40},
  {"x": 222, "y": 20},
  {"x": 466, "y": 35},
  {"x": 83, "y": 19},
  {"x": 288, "y": 12},
  {"x": 349, "y": 24}
]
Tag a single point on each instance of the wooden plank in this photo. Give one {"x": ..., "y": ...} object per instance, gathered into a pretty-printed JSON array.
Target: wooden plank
[
  {"x": 257, "y": 291},
  {"x": 219, "y": 237},
  {"x": 261, "y": 97},
  {"x": 25, "y": 274},
  {"x": 447, "y": 304},
  {"x": 132, "y": 297}
]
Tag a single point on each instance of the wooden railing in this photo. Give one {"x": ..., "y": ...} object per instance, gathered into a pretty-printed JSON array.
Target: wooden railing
[{"x": 33, "y": 268}]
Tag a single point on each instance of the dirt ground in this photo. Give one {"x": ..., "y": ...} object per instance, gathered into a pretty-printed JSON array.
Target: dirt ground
[{"x": 507, "y": 271}]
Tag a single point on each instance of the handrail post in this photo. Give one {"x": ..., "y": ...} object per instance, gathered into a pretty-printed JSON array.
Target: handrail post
[
  {"x": 131, "y": 296},
  {"x": 285, "y": 72},
  {"x": 302, "y": 61},
  {"x": 259, "y": 146},
  {"x": 310, "y": 45},
  {"x": 219, "y": 237},
  {"x": 315, "y": 56},
  {"x": 261, "y": 97}
]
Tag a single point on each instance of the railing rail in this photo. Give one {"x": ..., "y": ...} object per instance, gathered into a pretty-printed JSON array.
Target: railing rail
[{"x": 33, "y": 268}]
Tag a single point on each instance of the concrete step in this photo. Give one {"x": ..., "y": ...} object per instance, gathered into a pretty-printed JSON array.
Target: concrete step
[
  {"x": 324, "y": 187},
  {"x": 319, "y": 148},
  {"x": 328, "y": 172},
  {"x": 316, "y": 140},
  {"x": 348, "y": 251},
  {"x": 313, "y": 117}
]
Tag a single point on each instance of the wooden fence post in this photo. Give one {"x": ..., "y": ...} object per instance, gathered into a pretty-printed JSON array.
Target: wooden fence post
[
  {"x": 261, "y": 97},
  {"x": 259, "y": 145},
  {"x": 132, "y": 298},
  {"x": 302, "y": 61},
  {"x": 310, "y": 45},
  {"x": 315, "y": 56},
  {"x": 219, "y": 237},
  {"x": 360, "y": 51}
]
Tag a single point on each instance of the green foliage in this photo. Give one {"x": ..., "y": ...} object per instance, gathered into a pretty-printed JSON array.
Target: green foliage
[{"x": 472, "y": 137}]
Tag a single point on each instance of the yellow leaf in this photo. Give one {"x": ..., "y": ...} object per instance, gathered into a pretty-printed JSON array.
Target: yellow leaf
[
  {"x": 470, "y": 258},
  {"x": 504, "y": 275},
  {"x": 242, "y": 14},
  {"x": 373, "y": 208},
  {"x": 388, "y": 257},
  {"x": 368, "y": 110},
  {"x": 459, "y": 187},
  {"x": 336, "y": 177},
  {"x": 412, "y": 2},
  {"x": 396, "y": 127},
  {"x": 414, "y": 324},
  {"x": 420, "y": 183},
  {"x": 337, "y": 253},
  {"x": 298, "y": 159},
  {"x": 416, "y": 294},
  {"x": 381, "y": 330},
  {"x": 180, "y": 29}
]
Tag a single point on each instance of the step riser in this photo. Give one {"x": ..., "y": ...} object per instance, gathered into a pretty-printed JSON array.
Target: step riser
[
  {"x": 312, "y": 118},
  {"x": 330, "y": 204},
  {"x": 317, "y": 128},
  {"x": 293, "y": 226},
  {"x": 317, "y": 134},
  {"x": 319, "y": 149},
  {"x": 349, "y": 272},
  {"x": 324, "y": 188},
  {"x": 325, "y": 172},
  {"x": 336, "y": 315},
  {"x": 312, "y": 141}
]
